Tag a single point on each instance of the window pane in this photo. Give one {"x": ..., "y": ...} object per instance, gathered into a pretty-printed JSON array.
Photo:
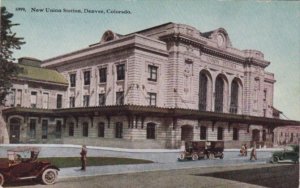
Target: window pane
[
  {"x": 102, "y": 74},
  {"x": 86, "y": 100},
  {"x": 203, "y": 133},
  {"x": 152, "y": 73},
  {"x": 87, "y": 78},
  {"x": 59, "y": 101},
  {"x": 150, "y": 131},
  {"x": 219, "y": 89},
  {"x": 102, "y": 99},
  {"x": 121, "y": 72},
  {"x": 220, "y": 133},
  {"x": 119, "y": 130},
  {"x": 44, "y": 129},
  {"x": 33, "y": 99},
  {"x": 120, "y": 98},
  {"x": 71, "y": 129},
  {"x": 32, "y": 128},
  {"x": 234, "y": 97},
  {"x": 202, "y": 92},
  {"x": 72, "y": 80}
]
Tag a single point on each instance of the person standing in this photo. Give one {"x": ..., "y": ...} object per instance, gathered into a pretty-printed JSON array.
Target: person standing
[
  {"x": 253, "y": 153},
  {"x": 83, "y": 154}
]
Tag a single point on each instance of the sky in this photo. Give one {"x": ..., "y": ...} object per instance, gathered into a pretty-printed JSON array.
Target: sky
[{"x": 272, "y": 27}]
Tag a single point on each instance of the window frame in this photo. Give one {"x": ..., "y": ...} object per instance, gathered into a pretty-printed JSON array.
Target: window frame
[
  {"x": 103, "y": 97},
  {"x": 151, "y": 131},
  {"x": 119, "y": 130},
  {"x": 235, "y": 133},
  {"x": 72, "y": 102},
  {"x": 86, "y": 101},
  {"x": 85, "y": 129},
  {"x": 152, "y": 97},
  {"x": 59, "y": 100},
  {"x": 87, "y": 77},
  {"x": 120, "y": 98},
  {"x": 45, "y": 129},
  {"x": 103, "y": 75},
  {"x": 73, "y": 80},
  {"x": 153, "y": 73},
  {"x": 120, "y": 68},
  {"x": 101, "y": 129},
  {"x": 71, "y": 127}
]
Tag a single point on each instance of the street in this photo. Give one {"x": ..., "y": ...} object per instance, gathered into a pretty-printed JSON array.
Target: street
[{"x": 261, "y": 175}]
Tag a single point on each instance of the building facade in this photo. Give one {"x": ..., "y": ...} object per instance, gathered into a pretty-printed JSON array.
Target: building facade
[{"x": 150, "y": 89}]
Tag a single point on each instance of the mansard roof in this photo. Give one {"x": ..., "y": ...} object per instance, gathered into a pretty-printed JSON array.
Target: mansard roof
[{"x": 38, "y": 74}]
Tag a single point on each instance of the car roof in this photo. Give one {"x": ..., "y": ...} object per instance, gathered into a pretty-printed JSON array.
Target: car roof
[{"x": 24, "y": 149}]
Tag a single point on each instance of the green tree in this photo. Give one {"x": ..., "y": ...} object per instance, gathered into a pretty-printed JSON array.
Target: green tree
[{"x": 9, "y": 42}]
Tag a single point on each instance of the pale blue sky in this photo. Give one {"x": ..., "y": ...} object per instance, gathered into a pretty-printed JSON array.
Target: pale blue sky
[{"x": 268, "y": 26}]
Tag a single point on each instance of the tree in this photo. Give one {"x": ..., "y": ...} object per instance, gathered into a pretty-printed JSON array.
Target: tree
[{"x": 9, "y": 42}]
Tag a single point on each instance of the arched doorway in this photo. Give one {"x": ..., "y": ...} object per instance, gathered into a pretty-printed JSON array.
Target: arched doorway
[
  {"x": 186, "y": 133},
  {"x": 255, "y": 135},
  {"x": 14, "y": 130}
]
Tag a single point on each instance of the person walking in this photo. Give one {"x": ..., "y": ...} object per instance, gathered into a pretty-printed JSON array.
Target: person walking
[
  {"x": 253, "y": 153},
  {"x": 83, "y": 154},
  {"x": 245, "y": 146}
]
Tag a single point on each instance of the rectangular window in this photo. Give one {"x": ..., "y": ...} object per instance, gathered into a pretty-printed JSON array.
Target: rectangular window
[
  {"x": 86, "y": 100},
  {"x": 58, "y": 129},
  {"x": 265, "y": 95},
  {"x": 87, "y": 77},
  {"x": 101, "y": 129},
  {"x": 120, "y": 98},
  {"x": 71, "y": 129},
  {"x": 72, "y": 80},
  {"x": 72, "y": 102},
  {"x": 44, "y": 129},
  {"x": 203, "y": 132},
  {"x": 33, "y": 99},
  {"x": 13, "y": 97},
  {"x": 152, "y": 70},
  {"x": 119, "y": 130},
  {"x": 102, "y": 99},
  {"x": 102, "y": 75},
  {"x": 32, "y": 128},
  {"x": 235, "y": 135},
  {"x": 121, "y": 72},
  {"x": 220, "y": 133},
  {"x": 19, "y": 97},
  {"x": 152, "y": 99},
  {"x": 59, "y": 101},
  {"x": 45, "y": 100}
]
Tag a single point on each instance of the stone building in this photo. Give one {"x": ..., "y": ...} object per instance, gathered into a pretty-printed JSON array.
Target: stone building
[
  {"x": 287, "y": 135},
  {"x": 149, "y": 89}
]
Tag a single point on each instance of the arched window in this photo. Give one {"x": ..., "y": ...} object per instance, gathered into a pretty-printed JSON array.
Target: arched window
[
  {"x": 203, "y": 132},
  {"x": 101, "y": 128},
  {"x": 234, "y": 97},
  {"x": 202, "y": 91},
  {"x": 150, "y": 131},
  {"x": 85, "y": 129},
  {"x": 220, "y": 133},
  {"x": 119, "y": 130},
  {"x": 219, "y": 90},
  {"x": 235, "y": 135}
]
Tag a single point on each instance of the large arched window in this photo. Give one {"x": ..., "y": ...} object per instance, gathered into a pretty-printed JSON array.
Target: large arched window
[
  {"x": 85, "y": 129},
  {"x": 150, "y": 131},
  {"x": 202, "y": 91},
  {"x": 219, "y": 94},
  {"x": 234, "y": 97},
  {"x": 101, "y": 129}
]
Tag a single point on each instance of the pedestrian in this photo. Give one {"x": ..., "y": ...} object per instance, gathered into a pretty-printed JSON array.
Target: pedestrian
[
  {"x": 83, "y": 154},
  {"x": 242, "y": 151},
  {"x": 253, "y": 153},
  {"x": 245, "y": 146}
]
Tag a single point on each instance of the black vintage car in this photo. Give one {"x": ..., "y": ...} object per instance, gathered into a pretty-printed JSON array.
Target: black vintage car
[
  {"x": 23, "y": 164},
  {"x": 195, "y": 150},
  {"x": 289, "y": 154}
]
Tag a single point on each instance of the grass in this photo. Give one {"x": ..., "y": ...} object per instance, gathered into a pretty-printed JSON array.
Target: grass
[{"x": 63, "y": 162}]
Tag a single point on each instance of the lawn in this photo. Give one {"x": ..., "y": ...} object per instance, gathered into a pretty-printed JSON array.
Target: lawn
[{"x": 63, "y": 162}]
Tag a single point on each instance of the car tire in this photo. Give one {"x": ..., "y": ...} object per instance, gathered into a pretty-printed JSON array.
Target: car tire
[
  {"x": 1, "y": 179},
  {"x": 49, "y": 176},
  {"x": 275, "y": 159},
  {"x": 195, "y": 157},
  {"x": 182, "y": 156}
]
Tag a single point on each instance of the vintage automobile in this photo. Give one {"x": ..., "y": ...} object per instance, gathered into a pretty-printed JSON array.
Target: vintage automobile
[
  {"x": 195, "y": 150},
  {"x": 23, "y": 164},
  {"x": 289, "y": 154}
]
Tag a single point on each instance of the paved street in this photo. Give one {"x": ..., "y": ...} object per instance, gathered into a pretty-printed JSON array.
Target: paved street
[{"x": 246, "y": 176}]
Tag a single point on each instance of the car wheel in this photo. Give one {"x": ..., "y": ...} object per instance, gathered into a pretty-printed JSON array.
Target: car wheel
[
  {"x": 275, "y": 159},
  {"x": 1, "y": 179},
  {"x": 182, "y": 156},
  {"x": 49, "y": 176},
  {"x": 194, "y": 157}
]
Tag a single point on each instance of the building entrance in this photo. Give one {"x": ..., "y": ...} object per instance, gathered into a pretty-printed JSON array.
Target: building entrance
[{"x": 14, "y": 130}]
